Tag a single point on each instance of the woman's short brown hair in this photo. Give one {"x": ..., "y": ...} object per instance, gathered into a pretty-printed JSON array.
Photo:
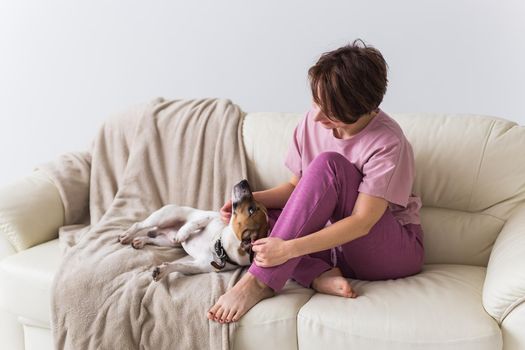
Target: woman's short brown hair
[{"x": 349, "y": 81}]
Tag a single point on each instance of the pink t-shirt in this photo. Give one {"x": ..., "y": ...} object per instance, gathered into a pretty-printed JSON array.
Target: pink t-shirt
[{"x": 380, "y": 151}]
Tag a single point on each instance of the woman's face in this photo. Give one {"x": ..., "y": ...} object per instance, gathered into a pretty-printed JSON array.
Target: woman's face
[{"x": 320, "y": 117}]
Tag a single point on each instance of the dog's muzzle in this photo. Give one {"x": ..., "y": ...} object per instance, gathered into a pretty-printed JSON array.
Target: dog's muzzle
[{"x": 246, "y": 245}]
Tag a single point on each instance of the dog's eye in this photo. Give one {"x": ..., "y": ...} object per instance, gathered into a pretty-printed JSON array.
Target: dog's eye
[{"x": 251, "y": 210}]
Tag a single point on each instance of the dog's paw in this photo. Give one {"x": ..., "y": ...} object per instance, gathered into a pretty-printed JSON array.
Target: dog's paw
[
  {"x": 127, "y": 236},
  {"x": 138, "y": 243},
  {"x": 160, "y": 271},
  {"x": 180, "y": 237}
]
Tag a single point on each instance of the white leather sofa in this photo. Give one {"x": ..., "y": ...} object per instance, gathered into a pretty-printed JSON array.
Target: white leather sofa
[{"x": 470, "y": 295}]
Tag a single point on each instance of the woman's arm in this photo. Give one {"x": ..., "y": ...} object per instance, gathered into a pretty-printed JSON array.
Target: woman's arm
[
  {"x": 278, "y": 196},
  {"x": 367, "y": 212}
]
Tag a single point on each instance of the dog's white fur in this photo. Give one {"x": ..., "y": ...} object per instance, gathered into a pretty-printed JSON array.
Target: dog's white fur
[{"x": 197, "y": 235}]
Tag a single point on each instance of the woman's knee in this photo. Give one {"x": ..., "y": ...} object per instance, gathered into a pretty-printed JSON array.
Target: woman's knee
[
  {"x": 330, "y": 156},
  {"x": 335, "y": 161}
]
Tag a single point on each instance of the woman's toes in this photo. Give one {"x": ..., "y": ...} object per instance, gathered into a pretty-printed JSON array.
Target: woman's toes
[
  {"x": 347, "y": 290},
  {"x": 350, "y": 293},
  {"x": 213, "y": 311},
  {"x": 229, "y": 318},
  {"x": 218, "y": 314}
]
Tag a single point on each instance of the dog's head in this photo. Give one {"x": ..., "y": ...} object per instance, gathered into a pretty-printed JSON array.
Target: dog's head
[{"x": 249, "y": 219}]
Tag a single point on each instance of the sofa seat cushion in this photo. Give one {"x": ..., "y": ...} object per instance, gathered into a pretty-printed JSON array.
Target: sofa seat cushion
[
  {"x": 440, "y": 308},
  {"x": 27, "y": 278},
  {"x": 276, "y": 316}
]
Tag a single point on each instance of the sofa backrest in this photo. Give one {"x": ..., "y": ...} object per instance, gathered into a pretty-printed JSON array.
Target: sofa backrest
[{"x": 470, "y": 175}]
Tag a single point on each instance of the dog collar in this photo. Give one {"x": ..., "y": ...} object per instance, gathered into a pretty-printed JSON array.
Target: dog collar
[{"x": 221, "y": 255}]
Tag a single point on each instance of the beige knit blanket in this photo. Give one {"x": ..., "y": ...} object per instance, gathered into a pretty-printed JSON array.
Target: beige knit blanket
[{"x": 186, "y": 152}]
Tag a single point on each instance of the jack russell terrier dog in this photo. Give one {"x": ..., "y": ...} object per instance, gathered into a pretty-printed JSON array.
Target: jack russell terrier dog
[{"x": 211, "y": 244}]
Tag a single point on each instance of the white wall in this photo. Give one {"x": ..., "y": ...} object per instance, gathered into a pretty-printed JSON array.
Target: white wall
[{"x": 66, "y": 65}]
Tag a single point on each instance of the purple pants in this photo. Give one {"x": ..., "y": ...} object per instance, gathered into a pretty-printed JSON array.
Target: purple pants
[{"x": 328, "y": 191}]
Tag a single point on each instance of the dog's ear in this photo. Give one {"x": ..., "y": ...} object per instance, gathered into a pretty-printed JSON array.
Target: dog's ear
[{"x": 265, "y": 226}]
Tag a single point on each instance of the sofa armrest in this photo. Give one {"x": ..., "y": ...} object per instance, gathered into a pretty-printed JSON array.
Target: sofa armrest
[
  {"x": 512, "y": 329},
  {"x": 31, "y": 213},
  {"x": 504, "y": 287}
]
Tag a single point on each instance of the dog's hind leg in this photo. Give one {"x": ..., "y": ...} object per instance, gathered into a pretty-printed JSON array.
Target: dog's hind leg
[
  {"x": 186, "y": 265},
  {"x": 137, "y": 228},
  {"x": 158, "y": 240},
  {"x": 190, "y": 227}
]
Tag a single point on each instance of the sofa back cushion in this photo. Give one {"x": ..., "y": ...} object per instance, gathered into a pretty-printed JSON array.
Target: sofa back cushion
[{"x": 470, "y": 175}]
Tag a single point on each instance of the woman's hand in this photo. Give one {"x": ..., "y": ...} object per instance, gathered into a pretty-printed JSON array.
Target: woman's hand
[
  {"x": 271, "y": 251},
  {"x": 226, "y": 211}
]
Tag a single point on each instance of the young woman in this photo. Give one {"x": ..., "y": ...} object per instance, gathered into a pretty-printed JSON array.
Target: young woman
[{"x": 348, "y": 210}]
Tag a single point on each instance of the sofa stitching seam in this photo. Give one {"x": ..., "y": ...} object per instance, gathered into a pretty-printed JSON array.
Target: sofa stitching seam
[
  {"x": 509, "y": 309},
  {"x": 480, "y": 163},
  {"x": 465, "y": 211},
  {"x": 7, "y": 229}
]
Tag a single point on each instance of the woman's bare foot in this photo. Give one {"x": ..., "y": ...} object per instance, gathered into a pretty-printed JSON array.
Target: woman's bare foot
[
  {"x": 233, "y": 304},
  {"x": 332, "y": 282}
]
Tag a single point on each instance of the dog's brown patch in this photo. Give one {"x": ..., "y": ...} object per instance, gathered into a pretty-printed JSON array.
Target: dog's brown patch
[{"x": 249, "y": 222}]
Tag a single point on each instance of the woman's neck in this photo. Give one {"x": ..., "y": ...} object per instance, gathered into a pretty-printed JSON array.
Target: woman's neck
[{"x": 348, "y": 131}]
